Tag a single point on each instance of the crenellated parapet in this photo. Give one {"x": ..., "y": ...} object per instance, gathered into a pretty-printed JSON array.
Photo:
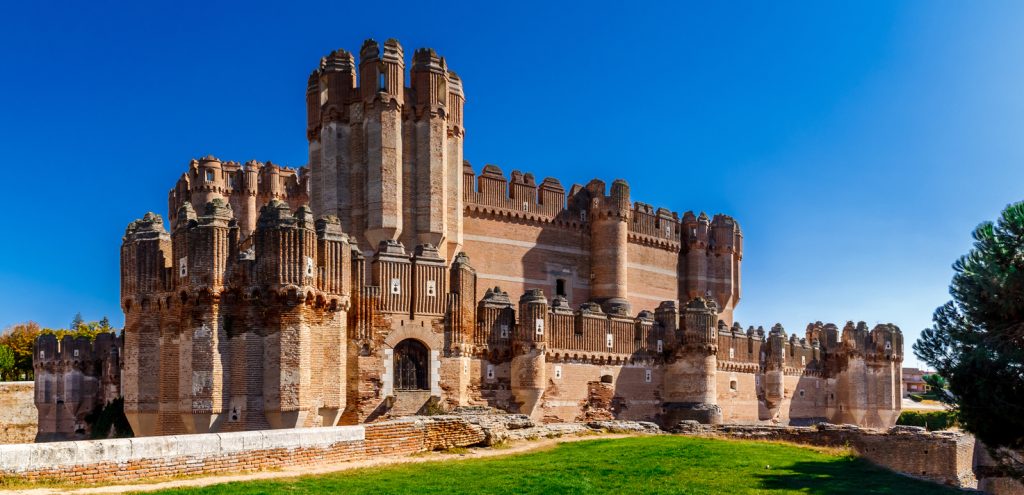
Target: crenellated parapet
[
  {"x": 199, "y": 301},
  {"x": 245, "y": 187},
  {"x": 587, "y": 334},
  {"x": 366, "y": 125}
]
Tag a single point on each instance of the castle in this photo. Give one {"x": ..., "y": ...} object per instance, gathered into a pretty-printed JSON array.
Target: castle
[{"x": 387, "y": 278}]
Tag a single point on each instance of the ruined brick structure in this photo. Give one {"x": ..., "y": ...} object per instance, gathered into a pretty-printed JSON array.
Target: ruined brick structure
[
  {"x": 387, "y": 277},
  {"x": 74, "y": 377}
]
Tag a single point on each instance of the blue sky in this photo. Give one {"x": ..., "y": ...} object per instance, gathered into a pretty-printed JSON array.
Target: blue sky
[{"x": 858, "y": 143}]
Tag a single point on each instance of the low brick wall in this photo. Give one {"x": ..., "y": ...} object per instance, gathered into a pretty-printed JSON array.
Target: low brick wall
[
  {"x": 156, "y": 457},
  {"x": 944, "y": 456},
  {"x": 19, "y": 419}
]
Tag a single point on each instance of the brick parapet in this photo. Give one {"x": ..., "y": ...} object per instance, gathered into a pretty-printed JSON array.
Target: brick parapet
[{"x": 134, "y": 459}]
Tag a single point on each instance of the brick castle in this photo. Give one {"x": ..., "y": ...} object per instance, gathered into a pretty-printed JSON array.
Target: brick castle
[{"x": 387, "y": 277}]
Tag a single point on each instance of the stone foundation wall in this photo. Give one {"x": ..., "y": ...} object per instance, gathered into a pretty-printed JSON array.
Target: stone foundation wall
[
  {"x": 156, "y": 457},
  {"x": 19, "y": 419},
  {"x": 944, "y": 457}
]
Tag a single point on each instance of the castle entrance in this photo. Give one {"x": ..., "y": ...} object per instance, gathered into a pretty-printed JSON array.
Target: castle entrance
[{"x": 411, "y": 358}]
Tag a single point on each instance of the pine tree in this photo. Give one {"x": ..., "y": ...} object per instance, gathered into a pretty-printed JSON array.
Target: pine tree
[
  {"x": 77, "y": 322},
  {"x": 977, "y": 341}
]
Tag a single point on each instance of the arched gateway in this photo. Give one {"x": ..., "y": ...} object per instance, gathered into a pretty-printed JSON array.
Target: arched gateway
[{"x": 411, "y": 365}]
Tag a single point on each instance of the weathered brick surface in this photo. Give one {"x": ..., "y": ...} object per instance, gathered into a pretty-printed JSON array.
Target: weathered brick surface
[
  {"x": 945, "y": 457},
  {"x": 252, "y": 310},
  {"x": 157, "y": 457},
  {"x": 18, "y": 420}
]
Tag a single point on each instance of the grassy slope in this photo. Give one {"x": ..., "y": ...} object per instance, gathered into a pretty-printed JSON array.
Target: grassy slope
[{"x": 663, "y": 464}]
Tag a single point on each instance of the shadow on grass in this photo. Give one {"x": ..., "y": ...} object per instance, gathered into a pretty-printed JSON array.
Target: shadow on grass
[{"x": 850, "y": 476}]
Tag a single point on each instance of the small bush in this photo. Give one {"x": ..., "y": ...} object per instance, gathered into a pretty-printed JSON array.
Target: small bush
[{"x": 932, "y": 420}]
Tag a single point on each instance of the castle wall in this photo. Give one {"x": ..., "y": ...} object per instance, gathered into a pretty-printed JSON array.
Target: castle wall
[
  {"x": 19, "y": 420},
  {"x": 738, "y": 396},
  {"x": 251, "y": 315},
  {"x": 74, "y": 378},
  {"x": 653, "y": 273},
  {"x": 540, "y": 254}
]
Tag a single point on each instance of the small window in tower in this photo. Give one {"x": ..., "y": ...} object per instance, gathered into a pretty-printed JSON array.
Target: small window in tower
[
  {"x": 888, "y": 346},
  {"x": 183, "y": 266},
  {"x": 539, "y": 326},
  {"x": 801, "y": 392},
  {"x": 42, "y": 354},
  {"x": 732, "y": 385},
  {"x": 560, "y": 287},
  {"x": 209, "y": 176},
  {"x": 490, "y": 371},
  {"x": 732, "y": 353},
  {"x": 610, "y": 340},
  {"x": 803, "y": 360},
  {"x": 661, "y": 346},
  {"x": 558, "y": 372},
  {"x": 583, "y": 215},
  {"x": 309, "y": 266},
  {"x": 383, "y": 82},
  {"x": 396, "y": 286},
  {"x": 76, "y": 352},
  {"x": 647, "y": 376},
  {"x": 233, "y": 181},
  {"x": 431, "y": 288}
]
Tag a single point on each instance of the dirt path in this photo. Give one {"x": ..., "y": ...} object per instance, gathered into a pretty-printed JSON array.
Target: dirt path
[{"x": 291, "y": 472}]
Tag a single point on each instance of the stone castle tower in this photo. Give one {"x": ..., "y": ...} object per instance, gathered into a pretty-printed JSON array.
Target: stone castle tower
[
  {"x": 380, "y": 279},
  {"x": 388, "y": 156}
]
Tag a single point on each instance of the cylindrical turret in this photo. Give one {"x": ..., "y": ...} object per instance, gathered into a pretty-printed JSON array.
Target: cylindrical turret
[
  {"x": 208, "y": 181},
  {"x": 456, "y": 134},
  {"x": 430, "y": 88},
  {"x": 695, "y": 256},
  {"x": 529, "y": 376},
  {"x": 145, "y": 259},
  {"x": 691, "y": 392},
  {"x": 774, "y": 376},
  {"x": 609, "y": 230},
  {"x": 382, "y": 81}
]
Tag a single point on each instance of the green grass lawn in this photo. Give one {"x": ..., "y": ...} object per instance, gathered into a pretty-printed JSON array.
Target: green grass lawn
[{"x": 662, "y": 464}]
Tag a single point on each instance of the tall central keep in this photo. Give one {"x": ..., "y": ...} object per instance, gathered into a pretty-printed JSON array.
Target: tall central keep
[{"x": 387, "y": 157}]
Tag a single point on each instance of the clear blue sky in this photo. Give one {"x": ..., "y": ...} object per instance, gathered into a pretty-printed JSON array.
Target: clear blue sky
[{"x": 858, "y": 143}]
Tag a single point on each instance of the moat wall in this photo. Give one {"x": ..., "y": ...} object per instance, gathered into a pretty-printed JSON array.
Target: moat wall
[
  {"x": 131, "y": 459},
  {"x": 18, "y": 416}
]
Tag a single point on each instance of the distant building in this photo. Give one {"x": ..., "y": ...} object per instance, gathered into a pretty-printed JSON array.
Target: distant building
[{"x": 913, "y": 381}]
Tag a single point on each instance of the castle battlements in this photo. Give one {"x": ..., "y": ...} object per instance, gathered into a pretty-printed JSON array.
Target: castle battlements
[{"x": 387, "y": 275}]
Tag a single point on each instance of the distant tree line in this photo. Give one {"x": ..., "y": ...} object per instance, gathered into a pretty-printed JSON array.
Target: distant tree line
[{"x": 17, "y": 341}]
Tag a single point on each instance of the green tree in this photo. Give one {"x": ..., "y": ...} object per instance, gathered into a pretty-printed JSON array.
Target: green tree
[
  {"x": 935, "y": 381},
  {"x": 6, "y": 363},
  {"x": 21, "y": 338},
  {"x": 77, "y": 322},
  {"x": 105, "y": 324},
  {"x": 977, "y": 340}
]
